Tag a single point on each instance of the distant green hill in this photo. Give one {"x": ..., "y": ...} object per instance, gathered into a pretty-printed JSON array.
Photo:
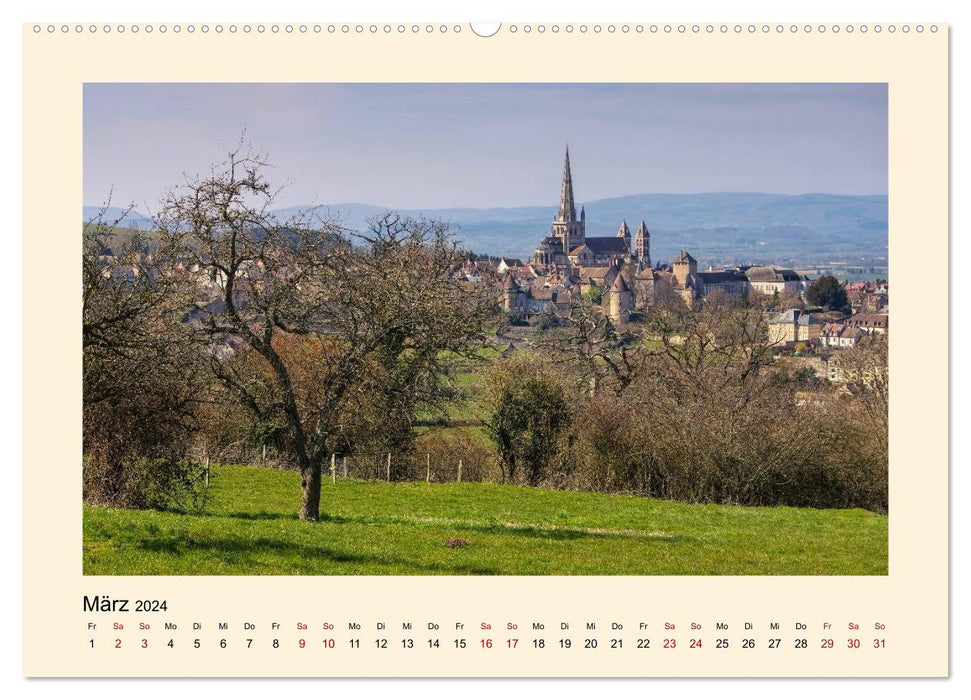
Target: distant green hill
[{"x": 717, "y": 227}]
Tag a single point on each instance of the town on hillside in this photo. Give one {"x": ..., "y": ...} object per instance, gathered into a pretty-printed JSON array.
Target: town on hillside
[{"x": 617, "y": 273}]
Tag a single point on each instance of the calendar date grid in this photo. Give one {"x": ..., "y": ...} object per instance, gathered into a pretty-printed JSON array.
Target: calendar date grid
[{"x": 485, "y": 636}]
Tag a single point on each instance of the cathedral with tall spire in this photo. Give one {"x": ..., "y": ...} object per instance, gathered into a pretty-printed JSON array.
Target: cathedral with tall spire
[
  {"x": 568, "y": 264},
  {"x": 568, "y": 243},
  {"x": 566, "y": 226}
]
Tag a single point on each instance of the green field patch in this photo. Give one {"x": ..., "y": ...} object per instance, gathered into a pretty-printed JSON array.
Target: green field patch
[{"x": 251, "y": 527}]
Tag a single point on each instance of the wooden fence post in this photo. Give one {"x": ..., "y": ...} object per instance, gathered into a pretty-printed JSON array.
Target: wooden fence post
[
  {"x": 389, "y": 467},
  {"x": 333, "y": 468},
  {"x": 428, "y": 468},
  {"x": 460, "y": 470},
  {"x": 207, "y": 470},
  {"x": 264, "y": 454}
]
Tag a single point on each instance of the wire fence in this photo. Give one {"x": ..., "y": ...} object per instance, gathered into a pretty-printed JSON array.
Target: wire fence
[
  {"x": 404, "y": 467},
  {"x": 366, "y": 466}
]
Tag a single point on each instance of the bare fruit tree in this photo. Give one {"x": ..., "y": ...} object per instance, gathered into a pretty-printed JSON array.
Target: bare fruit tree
[
  {"x": 591, "y": 346},
  {"x": 338, "y": 322}
]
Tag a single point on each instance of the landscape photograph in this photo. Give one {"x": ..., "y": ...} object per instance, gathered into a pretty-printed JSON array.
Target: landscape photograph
[{"x": 485, "y": 329}]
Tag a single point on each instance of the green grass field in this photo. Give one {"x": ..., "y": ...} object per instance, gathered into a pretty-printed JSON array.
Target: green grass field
[{"x": 251, "y": 527}]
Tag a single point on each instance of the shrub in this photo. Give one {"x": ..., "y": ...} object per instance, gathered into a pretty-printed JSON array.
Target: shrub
[
  {"x": 678, "y": 440},
  {"x": 439, "y": 452},
  {"x": 530, "y": 415},
  {"x": 162, "y": 483}
]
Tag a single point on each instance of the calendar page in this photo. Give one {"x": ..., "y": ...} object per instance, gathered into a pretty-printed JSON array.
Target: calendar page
[{"x": 522, "y": 350}]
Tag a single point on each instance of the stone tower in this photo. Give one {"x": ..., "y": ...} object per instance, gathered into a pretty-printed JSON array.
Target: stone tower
[
  {"x": 566, "y": 226},
  {"x": 510, "y": 295},
  {"x": 684, "y": 266},
  {"x": 619, "y": 300},
  {"x": 642, "y": 245},
  {"x": 623, "y": 233}
]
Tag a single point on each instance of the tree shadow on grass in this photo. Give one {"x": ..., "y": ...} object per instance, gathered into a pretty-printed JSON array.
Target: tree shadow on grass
[
  {"x": 261, "y": 515},
  {"x": 488, "y": 528},
  {"x": 218, "y": 547},
  {"x": 561, "y": 533}
]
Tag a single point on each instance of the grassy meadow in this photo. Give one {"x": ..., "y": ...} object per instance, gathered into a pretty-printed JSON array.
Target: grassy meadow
[{"x": 250, "y": 527}]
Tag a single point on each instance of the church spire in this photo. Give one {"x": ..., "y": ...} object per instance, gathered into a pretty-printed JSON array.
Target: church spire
[
  {"x": 566, "y": 227},
  {"x": 568, "y": 211}
]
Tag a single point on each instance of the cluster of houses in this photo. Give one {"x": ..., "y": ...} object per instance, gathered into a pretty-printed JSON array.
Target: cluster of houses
[
  {"x": 796, "y": 326},
  {"x": 868, "y": 297},
  {"x": 617, "y": 273},
  {"x": 628, "y": 286}
]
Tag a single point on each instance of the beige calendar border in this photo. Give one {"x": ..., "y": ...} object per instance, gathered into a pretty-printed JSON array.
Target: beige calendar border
[{"x": 912, "y": 599}]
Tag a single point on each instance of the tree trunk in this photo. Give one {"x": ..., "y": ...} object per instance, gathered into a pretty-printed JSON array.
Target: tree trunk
[{"x": 310, "y": 485}]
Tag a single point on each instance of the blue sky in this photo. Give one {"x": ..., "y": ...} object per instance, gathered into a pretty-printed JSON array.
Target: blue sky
[{"x": 483, "y": 145}]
